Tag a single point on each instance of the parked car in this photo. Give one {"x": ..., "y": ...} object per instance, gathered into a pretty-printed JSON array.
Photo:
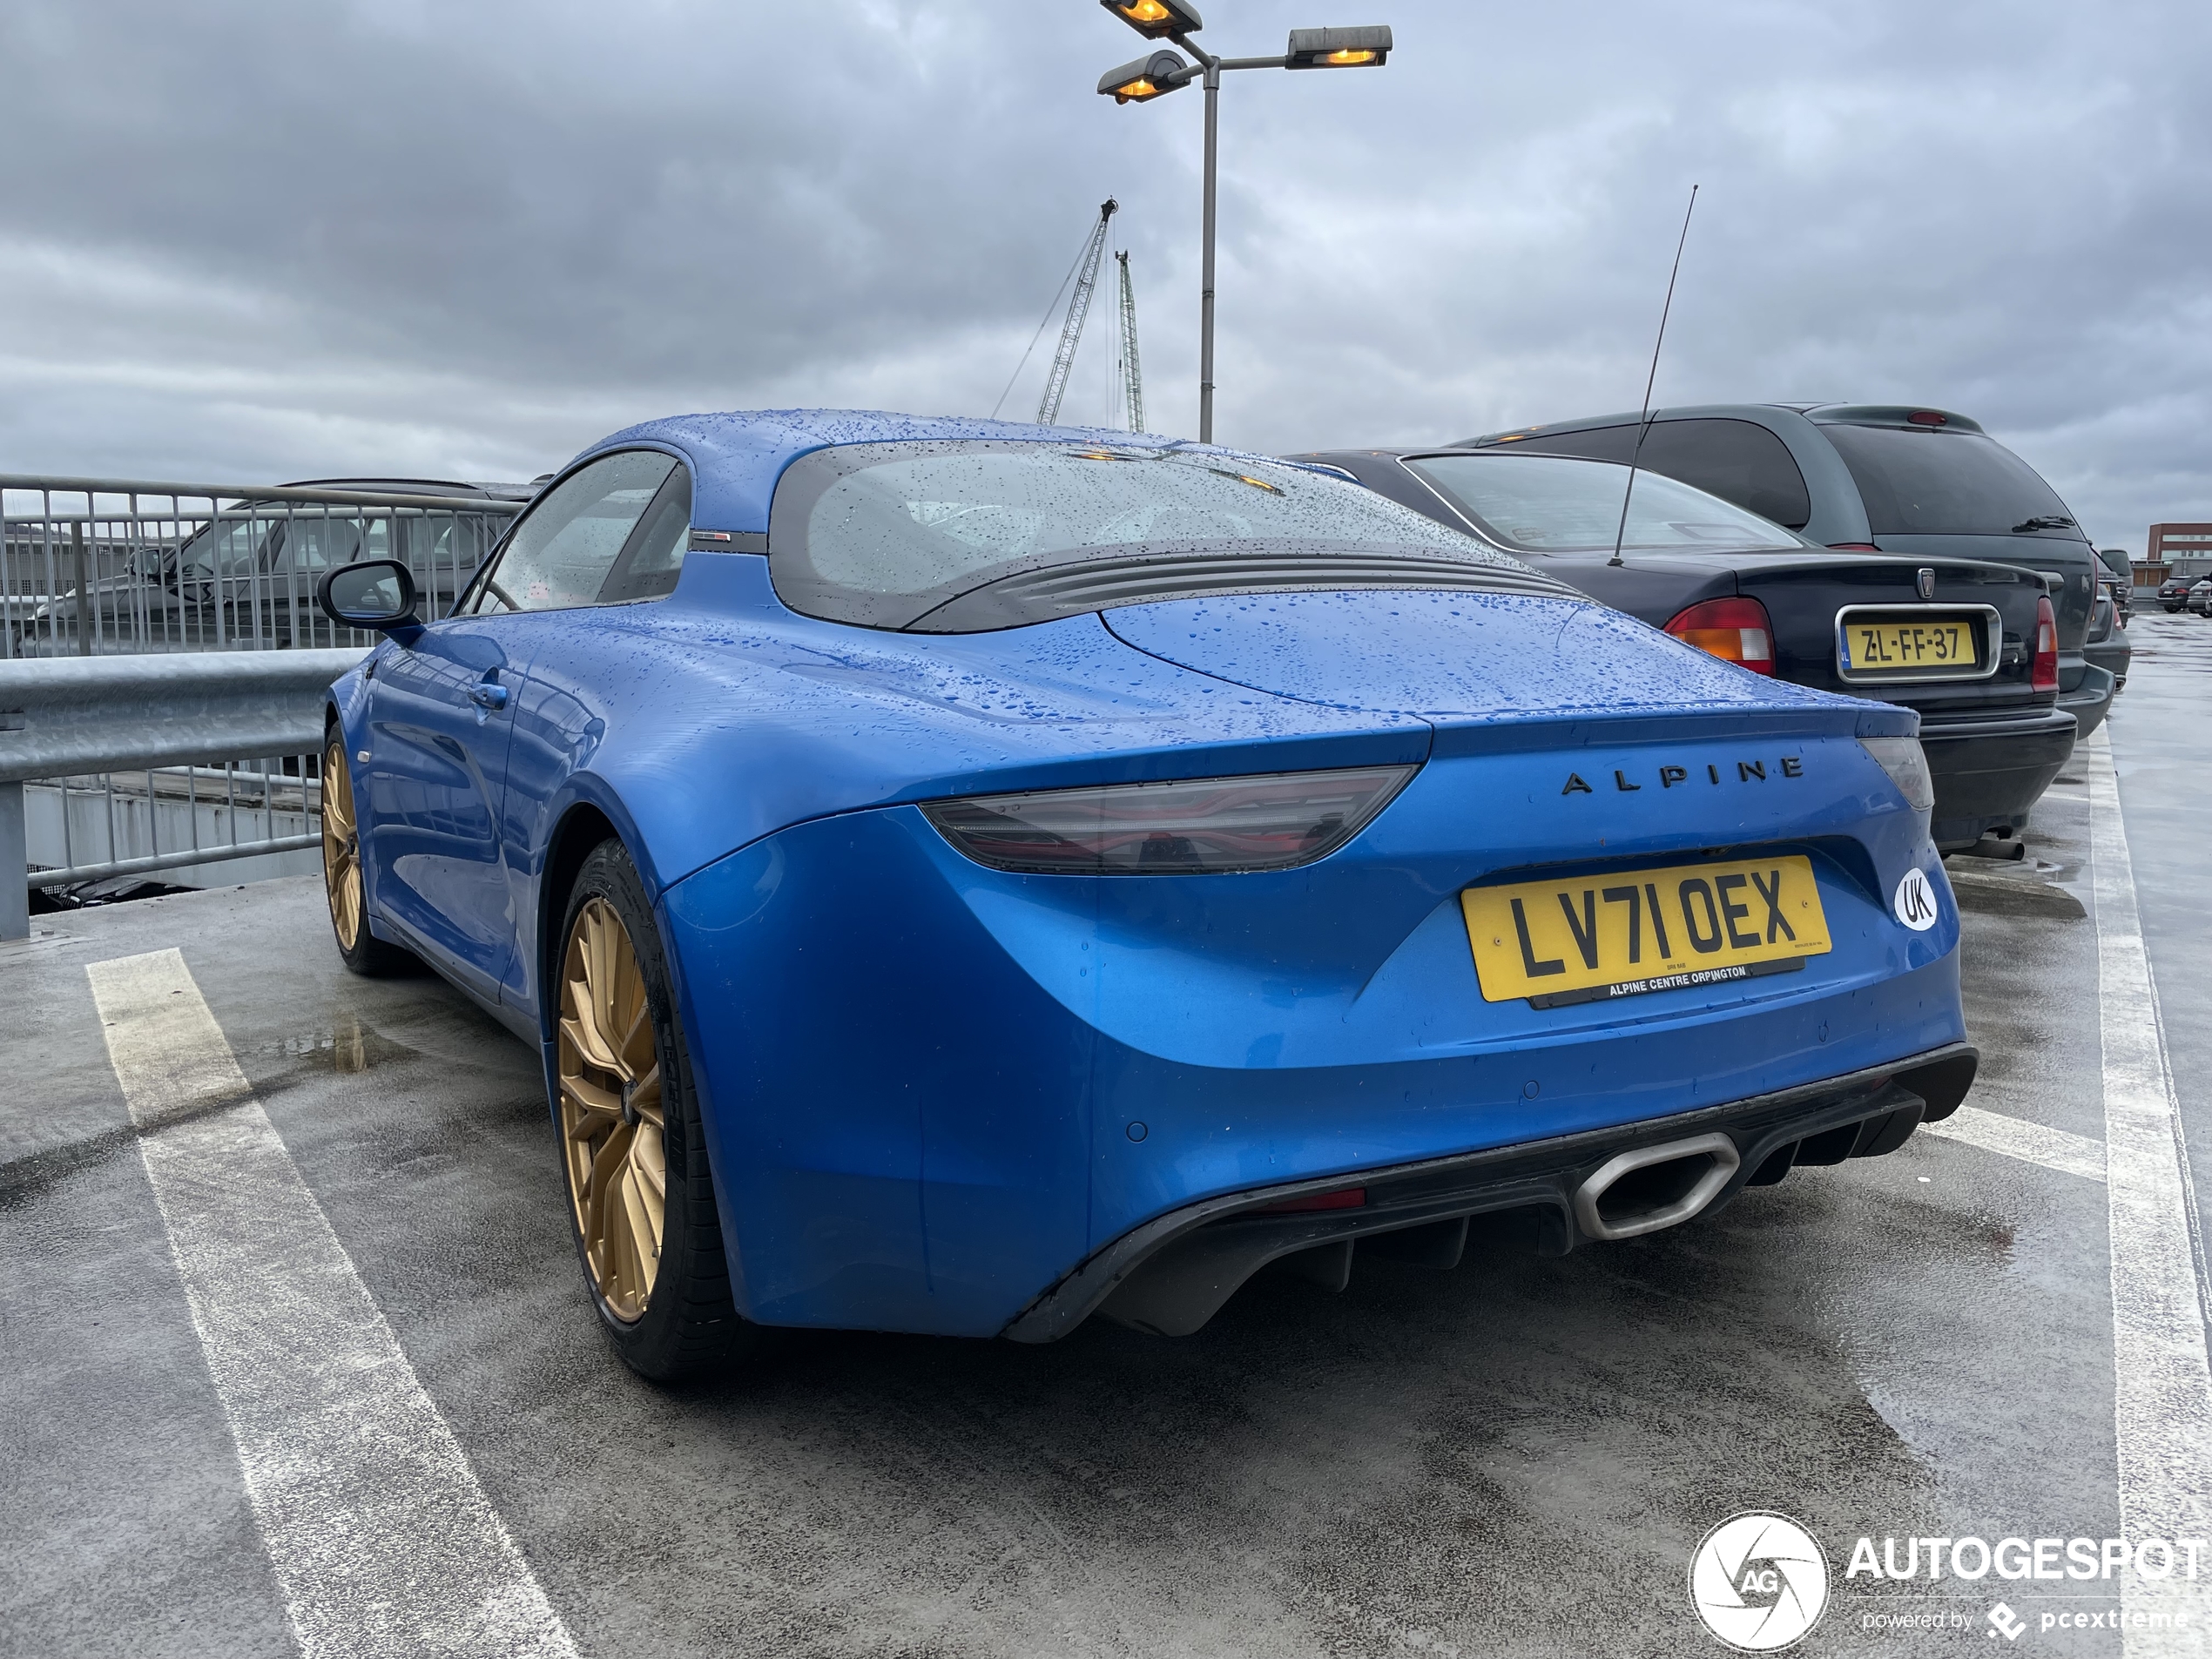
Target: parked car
[
  {"x": 1956, "y": 640},
  {"x": 2121, "y": 581},
  {"x": 1871, "y": 478},
  {"x": 249, "y": 575},
  {"x": 2173, "y": 593},
  {"x": 2200, "y": 599},
  {"x": 258, "y": 566},
  {"x": 963, "y": 876},
  {"x": 2107, "y": 645}
]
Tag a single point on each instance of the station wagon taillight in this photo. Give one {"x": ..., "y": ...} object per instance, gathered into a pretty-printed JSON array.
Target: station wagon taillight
[
  {"x": 2044, "y": 676},
  {"x": 1737, "y": 631}
]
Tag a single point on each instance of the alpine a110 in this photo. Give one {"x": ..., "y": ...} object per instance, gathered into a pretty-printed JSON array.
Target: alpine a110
[{"x": 964, "y": 878}]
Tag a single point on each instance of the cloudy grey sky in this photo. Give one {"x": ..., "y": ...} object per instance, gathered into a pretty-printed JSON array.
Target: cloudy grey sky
[{"x": 253, "y": 239}]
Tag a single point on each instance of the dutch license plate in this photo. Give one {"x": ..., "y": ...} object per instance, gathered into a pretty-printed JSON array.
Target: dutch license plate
[
  {"x": 1933, "y": 643},
  {"x": 1594, "y": 937}
]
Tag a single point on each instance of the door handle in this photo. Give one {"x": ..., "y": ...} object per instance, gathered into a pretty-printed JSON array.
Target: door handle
[{"x": 488, "y": 697}]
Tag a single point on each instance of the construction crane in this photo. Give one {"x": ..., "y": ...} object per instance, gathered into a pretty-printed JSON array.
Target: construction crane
[
  {"x": 1071, "y": 331},
  {"x": 1129, "y": 375}
]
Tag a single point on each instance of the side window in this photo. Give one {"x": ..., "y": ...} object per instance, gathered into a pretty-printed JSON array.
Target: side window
[
  {"x": 562, "y": 554},
  {"x": 654, "y": 557},
  {"x": 315, "y": 543},
  {"x": 1739, "y": 461}
]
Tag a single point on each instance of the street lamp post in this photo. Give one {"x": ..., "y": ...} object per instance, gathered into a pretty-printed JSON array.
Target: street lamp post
[{"x": 1163, "y": 71}]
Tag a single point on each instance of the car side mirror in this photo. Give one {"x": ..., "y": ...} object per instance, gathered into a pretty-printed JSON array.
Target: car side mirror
[{"x": 376, "y": 593}]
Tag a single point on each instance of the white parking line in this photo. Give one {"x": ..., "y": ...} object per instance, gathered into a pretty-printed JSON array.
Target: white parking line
[
  {"x": 2163, "y": 1385},
  {"x": 2054, "y": 1149},
  {"x": 382, "y": 1540}
]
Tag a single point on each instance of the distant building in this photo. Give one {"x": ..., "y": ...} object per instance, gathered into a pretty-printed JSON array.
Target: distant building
[{"x": 2175, "y": 550}]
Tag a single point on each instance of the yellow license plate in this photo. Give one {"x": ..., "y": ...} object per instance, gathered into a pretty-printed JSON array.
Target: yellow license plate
[
  {"x": 1589, "y": 938},
  {"x": 1921, "y": 644}
]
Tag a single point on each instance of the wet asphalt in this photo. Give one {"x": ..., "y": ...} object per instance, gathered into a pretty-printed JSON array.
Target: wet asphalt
[{"x": 1517, "y": 1457}]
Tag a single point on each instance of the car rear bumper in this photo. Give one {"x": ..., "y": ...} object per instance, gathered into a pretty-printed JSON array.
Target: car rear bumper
[
  {"x": 1174, "y": 1273},
  {"x": 1988, "y": 772},
  {"x": 2113, "y": 654},
  {"x": 2086, "y": 692}
]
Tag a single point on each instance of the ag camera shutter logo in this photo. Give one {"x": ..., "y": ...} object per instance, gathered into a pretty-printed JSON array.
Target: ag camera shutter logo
[{"x": 1759, "y": 1582}]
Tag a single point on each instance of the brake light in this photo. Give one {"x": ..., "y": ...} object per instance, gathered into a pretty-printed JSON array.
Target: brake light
[
  {"x": 1735, "y": 630},
  {"x": 2044, "y": 676},
  {"x": 1207, "y": 826},
  {"x": 1853, "y": 547},
  {"x": 1928, "y": 417},
  {"x": 1343, "y": 1198}
]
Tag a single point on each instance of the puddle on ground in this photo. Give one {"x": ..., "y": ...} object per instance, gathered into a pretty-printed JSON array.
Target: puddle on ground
[
  {"x": 348, "y": 1048},
  {"x": 2014, "y": 890}
]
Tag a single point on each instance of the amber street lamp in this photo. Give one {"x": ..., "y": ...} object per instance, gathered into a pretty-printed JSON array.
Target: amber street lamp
[{"x": 1163, "y": 72}]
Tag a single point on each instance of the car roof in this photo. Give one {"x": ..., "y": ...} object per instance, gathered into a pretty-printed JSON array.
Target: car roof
[
  {"x": 737, "y": 456},
  {"x": 1822, "y": 413},
  {"x": 398, "y": 486}
]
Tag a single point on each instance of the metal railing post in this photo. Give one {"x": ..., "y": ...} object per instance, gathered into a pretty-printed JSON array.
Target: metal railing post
[
  {"x": 84, "y": 598},
  {"x": 14, "y": 866}
]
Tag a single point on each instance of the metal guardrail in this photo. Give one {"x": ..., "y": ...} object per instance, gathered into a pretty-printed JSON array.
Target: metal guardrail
[
  {"x": 94, "y": 567},
  {"x": 237, "y": 733}
]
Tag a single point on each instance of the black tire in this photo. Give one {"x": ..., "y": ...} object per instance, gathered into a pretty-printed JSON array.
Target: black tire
[
  {"x": 344, "y": 886},
  {"x": 689, "y": 1324}
]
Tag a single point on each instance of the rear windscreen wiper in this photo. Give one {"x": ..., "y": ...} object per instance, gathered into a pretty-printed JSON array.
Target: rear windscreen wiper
[{"x": 2053, "y": 522}]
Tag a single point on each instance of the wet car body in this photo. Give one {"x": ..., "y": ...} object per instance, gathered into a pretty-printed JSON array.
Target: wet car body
[
  {"x": 945, "y": 1090},
  {"x": 1918, "y": 482},
  {"x": 1993, "y": 742}
]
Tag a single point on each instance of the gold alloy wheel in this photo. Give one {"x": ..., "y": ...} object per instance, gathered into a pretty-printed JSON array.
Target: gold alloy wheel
[
  {"x": 342, "y": 853},
  {"x": 612, "y": 1119}
]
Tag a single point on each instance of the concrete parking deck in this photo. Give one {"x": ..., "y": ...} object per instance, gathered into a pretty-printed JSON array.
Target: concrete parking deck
[{"x": 1518, "y": 1457}]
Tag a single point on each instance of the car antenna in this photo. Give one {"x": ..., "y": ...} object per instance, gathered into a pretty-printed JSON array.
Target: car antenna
[{"x": 1643, "y": 420}]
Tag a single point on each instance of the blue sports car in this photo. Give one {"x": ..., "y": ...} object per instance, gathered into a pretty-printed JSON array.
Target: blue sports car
[{"x": 966, "y": 876}]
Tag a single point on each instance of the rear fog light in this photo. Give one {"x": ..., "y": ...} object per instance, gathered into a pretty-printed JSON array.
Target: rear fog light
[{"x": 1343, "y": 1198}]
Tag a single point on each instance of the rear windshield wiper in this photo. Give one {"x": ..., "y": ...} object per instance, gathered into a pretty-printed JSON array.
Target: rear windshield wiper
[{"x": 2052, "y": 522}]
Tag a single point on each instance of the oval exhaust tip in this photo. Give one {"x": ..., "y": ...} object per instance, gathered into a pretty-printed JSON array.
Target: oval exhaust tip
[{"x": 1654, "y": 1187}]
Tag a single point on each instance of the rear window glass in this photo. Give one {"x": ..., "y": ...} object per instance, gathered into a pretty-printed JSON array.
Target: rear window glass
[
  {"x": 1920, "y": 482},
  {"x": 1739, "y": 461},
  {"x": 1557, "y": 504},
  {"x": 884, "y": 533}
]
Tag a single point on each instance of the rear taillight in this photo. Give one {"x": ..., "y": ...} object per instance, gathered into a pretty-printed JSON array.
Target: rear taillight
[
  {"x": 1735, "y": 630},
  {"x": 1907, "y": 766},
  {"x": 1853, "y": 547},
  {"x": 2044, "y": 676},
  {"x": 1203, "y": 827}
]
